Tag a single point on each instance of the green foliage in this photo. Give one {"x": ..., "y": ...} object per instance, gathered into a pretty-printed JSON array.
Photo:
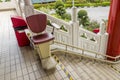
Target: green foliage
[
  {"x": 58, "y": 3},
  {"x": 5, "y": 0},
  {"x": 75, "y": 1},
  {"x": 83, "y": 17},
  {"x": 67, "y": 5},
  {"x": 56, "y": 15},
  {"x": 36, "y": 6},
  {"x": 63, "y": 28},
  {"x": 78, "y": 3},
  {"x": 92, "y": 39},
  {"x": 66, "y": 16},
  {"x": 46, "y": 10},
  {"x": 82, "y": 13},
  {"x": 49, "y": 5},
  {"x": 92, "y": 25},
  {"x": 84, "y": 36},
  {"x": 60, "y": 10},
  {"x": 85, "y": 21},
  {"x": 88, "y": 3},
  {"x": 105, "y": 3}
]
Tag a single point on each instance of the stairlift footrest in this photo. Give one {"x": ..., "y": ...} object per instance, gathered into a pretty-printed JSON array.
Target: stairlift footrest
[{"x": 48, "y": 63}]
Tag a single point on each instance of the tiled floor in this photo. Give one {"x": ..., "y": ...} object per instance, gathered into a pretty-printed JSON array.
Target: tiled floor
[{"x": 21, "y": 63}]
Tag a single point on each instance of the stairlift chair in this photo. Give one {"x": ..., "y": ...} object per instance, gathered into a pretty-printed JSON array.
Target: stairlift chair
[{"x": 41, "y": 39}]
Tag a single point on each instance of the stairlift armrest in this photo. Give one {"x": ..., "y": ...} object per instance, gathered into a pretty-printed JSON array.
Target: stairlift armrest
[{"x": 55, "y": 25}]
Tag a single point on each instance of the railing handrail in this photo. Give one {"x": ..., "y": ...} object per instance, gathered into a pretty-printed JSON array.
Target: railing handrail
[{"x": 107, "y": 56}]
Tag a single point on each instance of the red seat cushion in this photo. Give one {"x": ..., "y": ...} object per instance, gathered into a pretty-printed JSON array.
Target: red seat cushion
[{"x": 45, "y": 37}]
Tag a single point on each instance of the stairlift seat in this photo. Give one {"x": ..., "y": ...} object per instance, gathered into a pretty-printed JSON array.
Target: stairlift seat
[
  {"x": 45, "y": 37},
  {"x": 37, "y": 24}
]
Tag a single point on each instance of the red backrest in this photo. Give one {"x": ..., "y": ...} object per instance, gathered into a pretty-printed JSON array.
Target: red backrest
[{"x": 37, "y": 23}]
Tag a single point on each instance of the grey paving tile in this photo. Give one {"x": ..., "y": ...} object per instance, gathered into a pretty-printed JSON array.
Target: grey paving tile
[{"x": 26, "y": 77}]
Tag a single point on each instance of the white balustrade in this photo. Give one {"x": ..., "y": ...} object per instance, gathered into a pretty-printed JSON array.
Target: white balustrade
[
  {"x": 60, "y": 35},
  {"x": 94, "y": 42},
  {"x": 89, "y": 40},
  {"x": 77, "y": 36}
]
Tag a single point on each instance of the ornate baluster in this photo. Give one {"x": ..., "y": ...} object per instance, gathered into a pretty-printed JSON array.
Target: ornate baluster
[{"x": 103, "y": 38}]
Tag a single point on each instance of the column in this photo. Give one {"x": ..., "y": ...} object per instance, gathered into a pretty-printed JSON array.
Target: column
[
  {"x": 104, "y": 38},
  {"x": 75, "y": 27},
  {"x": 28, "y": 8},
  {"x": 16, "y": 3},
  {"x": 113, "y": 29}
]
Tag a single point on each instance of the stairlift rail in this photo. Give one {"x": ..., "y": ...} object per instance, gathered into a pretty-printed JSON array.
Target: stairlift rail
[{"x": 114, "y": 61}]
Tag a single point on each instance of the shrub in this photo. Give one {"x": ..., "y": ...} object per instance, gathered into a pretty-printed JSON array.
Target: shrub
[
  {"x": 70, "y": 2},
  {"x": 50, "y": 5},
  {"x": 105, "y": 3},
  {"x": 82, "y": 13},
  {"x": 92, "y": 25},
  {"x": 58, "y": 3},
  {"x": 60, "y": 10},
  {"x": 66, "y": 16},
  {"x": 68, "y": 5},
  {"x": 36, "y": 6},
  {"x": 80, "y": 5},
  {"x": 56, "y": 15},
  {"x": 83, "y": 17}
]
